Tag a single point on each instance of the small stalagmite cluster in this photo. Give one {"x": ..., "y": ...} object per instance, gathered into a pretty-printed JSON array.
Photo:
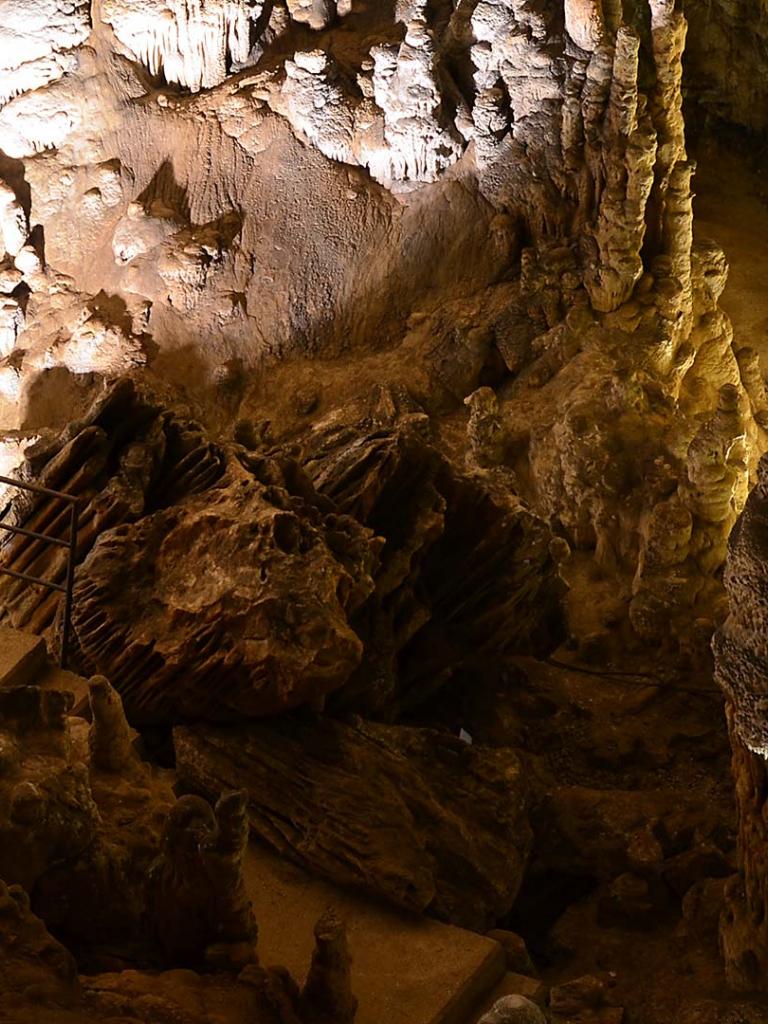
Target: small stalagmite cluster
[{"x": 113, "y": 862}]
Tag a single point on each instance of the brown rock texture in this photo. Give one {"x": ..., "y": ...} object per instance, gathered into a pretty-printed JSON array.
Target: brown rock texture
[
  {"x": 49, "y": 815},
  {"x": 155, "y": 879},
  {"x": 326, "y": 997},
  {"x": 419, "y": 818},
  {"x": 485, "y": 197},
  {"x": 725, "y": 62},
  {"x": 741, "y": 661},
  {"x": 203, "y": 610},
  {"x": 35, "y": 968},
  {"x": 356, "y": 328},
  {"x": 740, "y": 646},
  {"x": 219, "y": 581},
  {"x": 466, "y": 572},
  {"x": 742, "y": 926},
  {"x": 196, "y": 904}
]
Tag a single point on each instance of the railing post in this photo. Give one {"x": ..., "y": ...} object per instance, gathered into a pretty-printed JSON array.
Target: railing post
[
  {"x": 71, "y": 559},
  {"x": 71, "y": 545}
]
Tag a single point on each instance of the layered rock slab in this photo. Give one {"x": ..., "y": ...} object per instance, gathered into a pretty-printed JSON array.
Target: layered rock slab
[
  {"x": 419, "y": 818},
  {"x": 465, "y": 572}
]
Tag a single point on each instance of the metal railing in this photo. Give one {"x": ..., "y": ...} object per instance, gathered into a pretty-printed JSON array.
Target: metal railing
[{"x": 70, "y": 545}]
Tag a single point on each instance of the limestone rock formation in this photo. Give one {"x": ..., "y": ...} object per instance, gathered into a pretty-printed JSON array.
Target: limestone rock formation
[
  {"x": 196, "y": 900},
  {"x": 34, "y": 968},
  {"x": 493, "y": 120},
  {"x": 315, "y": 13},
  {"x": 741, "y": 665},
  {"x": 49, "y": 815},
  {"x": 354, "y": 327},
  {"x": 262, "y": 996},
  {"x": 190, "y": 43},
  {"x": 330, "y": 653},
  {"x": 37, "y": 42},
  {"x": 326, "y": 997},
  {"x": 218, "y": 581},
  {"x": 110, "y": 738},
  {"x": 271, "y": 642},
  {"x": 725, "y": 63},
  {"x": 421, "y": 819},
  {"x": 40, "y": 985},
  {"x": 452, "y": 587},
  {"x": 740, "y": 651},
  {"x": 742, "y": 927},
  {"x": 82, "y": 835}
]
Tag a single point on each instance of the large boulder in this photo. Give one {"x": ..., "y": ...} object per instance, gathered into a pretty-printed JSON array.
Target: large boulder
[
  {"x": 232, "y": 602},
  {"x": 466, "y": 573}
]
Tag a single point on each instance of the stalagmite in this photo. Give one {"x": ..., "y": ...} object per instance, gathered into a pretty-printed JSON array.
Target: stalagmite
[
  {"x": 110, "y": 739},
  {"x": 197, "y": 905},
  {"x": 326, "y": 997}
]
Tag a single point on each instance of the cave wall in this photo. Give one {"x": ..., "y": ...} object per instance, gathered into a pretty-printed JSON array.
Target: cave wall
[
  {"x": 741, "y": 669},
  {"x": 725, "y": 63},
  {"x": 243, "y": 199}
]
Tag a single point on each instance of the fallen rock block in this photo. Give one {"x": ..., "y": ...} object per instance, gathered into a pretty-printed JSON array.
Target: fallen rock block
[{"x": 413, "y": 816}]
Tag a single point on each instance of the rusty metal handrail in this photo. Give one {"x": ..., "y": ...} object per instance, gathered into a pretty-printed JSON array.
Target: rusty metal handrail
[{"x": 45, "y": 538}]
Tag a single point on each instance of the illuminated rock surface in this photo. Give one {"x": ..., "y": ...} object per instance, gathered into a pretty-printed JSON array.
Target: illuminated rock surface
[{"x": 395, "y": 378}]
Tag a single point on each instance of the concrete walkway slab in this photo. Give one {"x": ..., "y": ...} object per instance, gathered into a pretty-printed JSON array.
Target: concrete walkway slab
[
  {"x": 406, "y": 969},
  {"x": 23, "y": 657}
]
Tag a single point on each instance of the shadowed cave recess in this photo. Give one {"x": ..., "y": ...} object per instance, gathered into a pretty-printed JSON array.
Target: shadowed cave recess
[{"x": 384, "y": 609}]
